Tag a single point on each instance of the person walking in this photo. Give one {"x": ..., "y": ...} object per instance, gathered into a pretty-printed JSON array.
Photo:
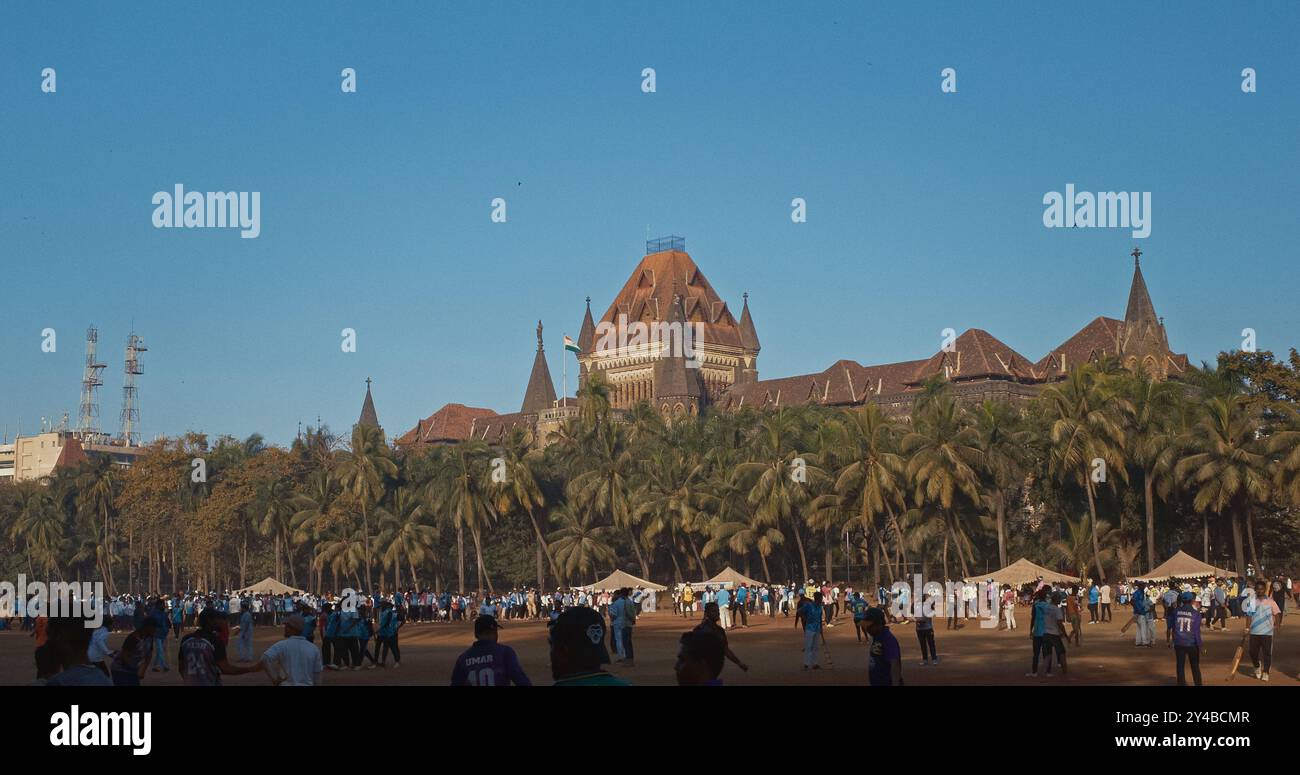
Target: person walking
[
  {"x": 293, "y": 661},
  {"x": 925, "y": 636},
  {"x": 810, "y": 613},
  {"x": 1264, "y": 618},
  {"x": 1187, "y": 639},
  {"x": 885, "y": 660}
]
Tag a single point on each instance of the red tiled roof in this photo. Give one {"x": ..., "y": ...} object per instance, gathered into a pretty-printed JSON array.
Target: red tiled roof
[
  {"x": 1098, "y": 338},
  {"x": 977, "y": 354},
  {"x": 452, "y": 422},
  {"x": 648, "y": 294}
]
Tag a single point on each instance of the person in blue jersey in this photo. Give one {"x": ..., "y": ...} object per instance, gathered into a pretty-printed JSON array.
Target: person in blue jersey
[
  {"x": 1187, "y": 639},
  {"x": 329, "y": 637},
  {"x": 885, "y": 657},
  {"x": 161, "y": 627},
  {"x": 487, "y": 662},
  {"x": 388, "y": 627},
  {"x": 1041, "y": 616},
  {"x": 810, "y": 613},
  {"x": 1094, "y": 600},
  {"x": 859, "y": 606},
  {"x": 724, "y": 606},
  {"x": 244, "y": 635},
  {"x": 347, "y": 641}
]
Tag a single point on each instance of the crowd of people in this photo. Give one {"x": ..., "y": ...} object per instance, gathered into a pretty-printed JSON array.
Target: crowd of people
[{"x": 214, "y": 632}]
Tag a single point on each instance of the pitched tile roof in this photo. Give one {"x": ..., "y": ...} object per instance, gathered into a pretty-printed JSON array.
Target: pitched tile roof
[
  {"x": 977, "y": 354},
  {"x": 452, "y": 422},
  {"x": 648, "y": 293},
  {"x": 1098, "y": 338}
]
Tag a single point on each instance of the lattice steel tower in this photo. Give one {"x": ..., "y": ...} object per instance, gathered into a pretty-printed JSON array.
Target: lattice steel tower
[
  {"x": 91, "y": 382},
  {"x": 130, "y": 433}
]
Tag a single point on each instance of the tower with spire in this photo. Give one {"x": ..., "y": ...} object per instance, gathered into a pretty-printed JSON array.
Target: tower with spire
[
  {"x": 540, "y": 394},
  {"x": 1143, "y": 343},
  {"x": 677, "y": 387},
  {"x": 368, "y": 415}
]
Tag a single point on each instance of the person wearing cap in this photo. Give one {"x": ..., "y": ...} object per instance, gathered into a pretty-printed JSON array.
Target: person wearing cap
[
  {"x": 294, "y": 661},
  {"x": 487, "y": 662},
  {"x": 1187, "y": 638},
  {"x": 810, "y": 615},
  {"x": 885, "y": 660},
  {"x": 577, "y": 638}
]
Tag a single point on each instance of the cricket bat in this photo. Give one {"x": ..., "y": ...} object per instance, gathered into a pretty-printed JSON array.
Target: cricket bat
[
  {"x": 1127, "y": 624},
  {"x": 1236, "y": 657}
]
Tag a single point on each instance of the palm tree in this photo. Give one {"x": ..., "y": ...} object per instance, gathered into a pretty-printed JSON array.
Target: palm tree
[
  {"x": 460, "y": 491},
  {"x": 363, "y": 471},
  {"x": 579, "y": 544},
  {"x": 742, "y": 532},
  {"x": 1001, "y": 444},
  {"x": 593, "y": 401},
  {"x": 942, "y": 464},
  {"x": 521, "y": 491},
  {"x": 1228, "y": 472},
  {"x": 1150, "y": 432},
  {"x": 273, "y": 514},
  {"x": 344, "y": 552},
  {"x": 404, "y": 534},
  {"x": 669, "y": 498},
  {"x": 1076, "y": 548},
  {"x": 311, "y": 514},
  {"x": 778, "y": 492},
  {"x": 1085, "y": 430},
  {"x": 97, "y": 488},
  {"x": 605, "y": 487},
  {"x": 874, "y": 483}
]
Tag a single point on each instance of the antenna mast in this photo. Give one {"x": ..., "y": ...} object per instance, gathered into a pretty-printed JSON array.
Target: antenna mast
[
  {"x": 130, "y": 433},
  {"x": 91, "y": 381}
]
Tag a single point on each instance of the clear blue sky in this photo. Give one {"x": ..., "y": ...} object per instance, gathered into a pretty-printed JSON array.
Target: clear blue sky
[{"x": 924, "y": 209}]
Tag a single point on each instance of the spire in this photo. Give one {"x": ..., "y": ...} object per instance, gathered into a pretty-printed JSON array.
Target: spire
[
  {"x": 748, "y": 336},
  {"x": 588, "y": 333},
  {"x": 368, "y": 415},
  {"x": 540, "y": 394},
  {"x": 672, "y": 378},
  {"x": 1140, "y": 308}
]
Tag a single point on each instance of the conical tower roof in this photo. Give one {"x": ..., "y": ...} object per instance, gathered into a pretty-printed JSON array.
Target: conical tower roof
[
  {"x": 540, "y": 394},
  {"x": 1140, "y": 309},
  {"x": 588, "y": 333},
  {"x": 368, "y": 415},
  {"x": 748, "y": 336}
]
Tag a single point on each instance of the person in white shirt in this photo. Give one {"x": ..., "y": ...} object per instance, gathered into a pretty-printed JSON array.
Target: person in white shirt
[{"x": 294, "y": 661}]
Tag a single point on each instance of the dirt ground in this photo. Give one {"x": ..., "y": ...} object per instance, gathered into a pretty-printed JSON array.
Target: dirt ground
[{"x": 772, "y": 648}]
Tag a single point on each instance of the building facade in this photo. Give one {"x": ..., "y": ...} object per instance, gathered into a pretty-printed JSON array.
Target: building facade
[{"x": 667, "y": 292}]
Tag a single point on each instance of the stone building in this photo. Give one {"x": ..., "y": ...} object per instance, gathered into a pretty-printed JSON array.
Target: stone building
[{"x": 718, "y": 367}]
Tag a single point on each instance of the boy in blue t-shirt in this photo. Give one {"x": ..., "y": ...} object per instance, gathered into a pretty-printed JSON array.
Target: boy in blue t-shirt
[{"x": 885, "y": 663}]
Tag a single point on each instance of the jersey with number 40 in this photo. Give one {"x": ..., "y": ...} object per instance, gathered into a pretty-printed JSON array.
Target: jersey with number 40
[{"x": 488, "y": 664}]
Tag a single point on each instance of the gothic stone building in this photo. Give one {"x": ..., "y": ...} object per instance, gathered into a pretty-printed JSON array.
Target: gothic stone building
[{"x": 667, "y": 287}]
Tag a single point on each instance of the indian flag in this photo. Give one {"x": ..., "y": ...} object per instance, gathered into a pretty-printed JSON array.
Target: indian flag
[{"x": 571, "y": 345}]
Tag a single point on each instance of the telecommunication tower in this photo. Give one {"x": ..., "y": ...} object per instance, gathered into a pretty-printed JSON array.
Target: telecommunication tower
[
  {"x": 91, "y": 381},
  {"x": 130, "y": 433}
]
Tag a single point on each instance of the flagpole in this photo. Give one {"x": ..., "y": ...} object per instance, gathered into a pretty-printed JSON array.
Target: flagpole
[{"x": 564, "y": 367}]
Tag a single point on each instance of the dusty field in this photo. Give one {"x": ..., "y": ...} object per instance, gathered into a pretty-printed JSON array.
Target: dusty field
[{"x": 772, "y": 648}]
